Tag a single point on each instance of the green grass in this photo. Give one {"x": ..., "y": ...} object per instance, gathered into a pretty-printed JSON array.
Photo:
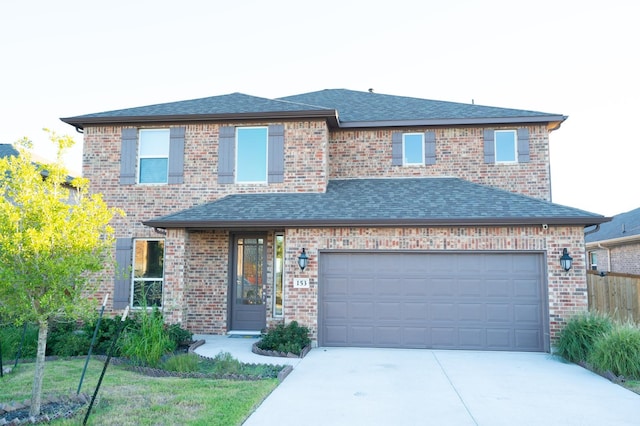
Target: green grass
[{"x": 128, "y": 398}]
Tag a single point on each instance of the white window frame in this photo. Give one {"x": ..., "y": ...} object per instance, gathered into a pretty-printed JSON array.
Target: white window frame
[
  {"x": 135, "y": 279},
  {"x": 266, "y": 156},
  {"x": 275, "y": 275},
  {"x": 515, "y": 146},
  {"x": 404, "y": 157},
  {"x": 155, "y": 156}
]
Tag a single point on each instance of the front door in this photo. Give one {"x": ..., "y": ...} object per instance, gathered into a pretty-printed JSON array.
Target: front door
[{"x": 248, "y": 298}]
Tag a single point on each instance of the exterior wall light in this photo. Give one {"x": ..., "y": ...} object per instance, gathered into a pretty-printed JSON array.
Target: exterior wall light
[
  {"x": 303, "y": 260},
  {"x": 566, "y": 260}
]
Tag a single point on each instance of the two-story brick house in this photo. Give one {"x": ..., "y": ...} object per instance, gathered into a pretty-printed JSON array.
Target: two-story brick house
[{"x": 425, "y": 224}]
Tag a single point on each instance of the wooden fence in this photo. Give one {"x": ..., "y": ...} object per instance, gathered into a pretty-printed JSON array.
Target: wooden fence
[{"x": 615, "y": 294}]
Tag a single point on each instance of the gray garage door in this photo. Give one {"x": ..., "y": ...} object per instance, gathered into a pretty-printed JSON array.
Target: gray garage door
[{"x": 483, "y": 301}]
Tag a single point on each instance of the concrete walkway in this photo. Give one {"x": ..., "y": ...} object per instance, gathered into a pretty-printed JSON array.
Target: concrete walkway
[{"x": 354, "y": 386}]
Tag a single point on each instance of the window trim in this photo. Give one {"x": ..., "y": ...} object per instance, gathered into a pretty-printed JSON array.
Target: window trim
[
  {"x": 266, "y": 157},
  {"x": 514, "y": 132},
  {"x": 274, "y": 313},
  {"x": 133, "y": 274},
  {"x": 422, "y": 149},
  {"x": 141, "y": 157}
]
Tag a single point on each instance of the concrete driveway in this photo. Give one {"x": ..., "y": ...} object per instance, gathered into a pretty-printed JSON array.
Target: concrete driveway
[{"x": 352, "y": 386}]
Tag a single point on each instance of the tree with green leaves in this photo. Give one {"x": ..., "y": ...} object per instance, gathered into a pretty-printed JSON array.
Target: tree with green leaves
[{"x": 54, "y": 236}]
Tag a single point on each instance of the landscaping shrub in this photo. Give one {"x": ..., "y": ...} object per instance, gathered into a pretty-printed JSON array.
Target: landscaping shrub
[
  {"x": 179, "y": 335},
  {"x": 10, "y": 337},
  {"x": 225, "y": 363},
  {"x": 146, "y": 344},
  {"x": 65, "y": 339},
  {"x": 182, "y": 363},
  {"x": 576, "y": 340},
  {"x": 618, "y": 351},
  {"x": 291, "y": 338}
]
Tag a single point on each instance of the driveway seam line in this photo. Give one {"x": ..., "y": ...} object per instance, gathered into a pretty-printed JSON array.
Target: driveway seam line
[{"x": 454, "y": 388}]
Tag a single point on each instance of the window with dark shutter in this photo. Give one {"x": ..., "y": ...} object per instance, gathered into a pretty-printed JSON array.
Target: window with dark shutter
[
  {"x": 430, "y": 147},
  {"x": 489, "y": 146},
  {"x": 396, "y": 149},
  {"x": 523, "y": 145}
]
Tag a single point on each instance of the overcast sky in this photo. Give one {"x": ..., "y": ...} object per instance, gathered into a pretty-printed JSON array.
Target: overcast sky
[{"x": 578, "y": 58}]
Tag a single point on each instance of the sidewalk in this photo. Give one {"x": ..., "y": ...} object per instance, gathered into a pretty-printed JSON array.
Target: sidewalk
[{"x": 240, "y": 348}]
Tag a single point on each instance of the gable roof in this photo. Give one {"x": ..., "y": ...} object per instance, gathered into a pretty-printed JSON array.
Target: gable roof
[
  {"x": 378, "y": 202},
  {"x": 622, "y": 226},
  {"x": 340, "y": 107}
]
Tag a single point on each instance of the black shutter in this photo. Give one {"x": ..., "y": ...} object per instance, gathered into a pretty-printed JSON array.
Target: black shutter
[
  {"x": 122, "y": 279},
  {"x": 226, "y": 154},
  {"x": 430, "y": 147},
  {"x": 523, "y": 145},
  {"x": 128, "y": 157},
  {"x": 176, "y": 154},
  {"x": 489, "y": 147},
  {"x": 275, "y": 161},
  {"x": 396, "y": 149}
]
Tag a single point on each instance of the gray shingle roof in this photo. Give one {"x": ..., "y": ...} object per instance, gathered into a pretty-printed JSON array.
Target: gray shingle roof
[
  {"x": 356, "y": 107},
  {"x": 7, "y": 150},
  {"x": 344, "y": 108},
  {"x": 378, "y": 202},
  {"x": 621, "y": 226}
]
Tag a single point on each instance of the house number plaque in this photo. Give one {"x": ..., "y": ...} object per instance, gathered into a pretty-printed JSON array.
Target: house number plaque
[{"x": 301, "y": 283}]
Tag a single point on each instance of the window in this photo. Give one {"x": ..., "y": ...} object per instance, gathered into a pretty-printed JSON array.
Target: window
[
  {"x": 593, "y": 260},
  {"x": 251, "y": 154},
  {"x": 412, "y": 149},
  {"x": 278, "y": 276},
  {"x": 148, "y": 273},
  {"x": 506, "y": 146},
  {"x": 153, "y": 156}
]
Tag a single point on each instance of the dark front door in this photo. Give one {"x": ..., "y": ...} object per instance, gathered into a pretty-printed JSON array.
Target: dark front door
[{"x": 248, "y": 299}]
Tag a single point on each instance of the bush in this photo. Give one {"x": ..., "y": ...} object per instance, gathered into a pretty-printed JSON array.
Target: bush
[
  {"x": 291, "y": 338},
  {"x": 618, "y": 351},
  {"x": 146, "y": 344},
  {"x": 182, "y": 363},
  {"x": 224, "y": 363},
  {"x": 576, "y": 340},
  {"x": 65, "y": 339},
  {"x": 10, "y": 338},
  {"x": 179, "y": 335}
]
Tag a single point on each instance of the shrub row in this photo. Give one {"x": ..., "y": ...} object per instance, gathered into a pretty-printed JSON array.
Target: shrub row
[{"x": 599, "y": 342}]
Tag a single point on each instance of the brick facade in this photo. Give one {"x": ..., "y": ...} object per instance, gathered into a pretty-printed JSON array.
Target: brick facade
[
  {"x": 197, "y": 263},
  {"x": 622, "y": 258}
]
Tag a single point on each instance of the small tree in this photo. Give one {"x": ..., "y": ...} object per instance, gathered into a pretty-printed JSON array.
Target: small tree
[{"x": 52, "y": 239}]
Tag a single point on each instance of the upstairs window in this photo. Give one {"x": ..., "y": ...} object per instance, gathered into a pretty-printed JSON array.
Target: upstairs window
[
  {"x": 251, "y": 154},
  {"x": 153, "y": 156},
  {"x": 413, "y": 149},
  {"x": 506, "y": 146}
]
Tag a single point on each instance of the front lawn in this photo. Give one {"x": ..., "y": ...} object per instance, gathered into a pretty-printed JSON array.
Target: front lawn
[{"x": 129, "y": 398}]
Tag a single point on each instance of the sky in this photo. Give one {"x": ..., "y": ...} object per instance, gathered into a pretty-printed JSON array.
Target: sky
[{"x": 577, "y": 58}]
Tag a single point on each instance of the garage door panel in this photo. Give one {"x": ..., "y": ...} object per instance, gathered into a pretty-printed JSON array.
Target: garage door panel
[
  {"x": 471, "y": 312},
  {"x": 487, "y": 301}
]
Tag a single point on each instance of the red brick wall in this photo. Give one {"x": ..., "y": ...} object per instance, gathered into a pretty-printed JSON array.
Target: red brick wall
[
  {"x": 459, "y": 153},
  {"x": 626, "y": 259}
]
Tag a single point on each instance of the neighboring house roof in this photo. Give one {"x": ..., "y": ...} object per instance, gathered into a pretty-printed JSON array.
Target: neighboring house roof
[
  {"x": 341, "y": 107},
  {"x": 7, "y": 150},
  {"x": 379, "y": 202},
  {"x": 623, "y": 227}
]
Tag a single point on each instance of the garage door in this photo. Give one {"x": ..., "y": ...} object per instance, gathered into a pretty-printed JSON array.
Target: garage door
[{"x": 483, "y": 301}]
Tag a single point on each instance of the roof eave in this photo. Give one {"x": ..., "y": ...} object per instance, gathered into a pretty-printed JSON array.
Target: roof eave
[
  {"x": 554, "y": 122},
  {"x": 383, "y": 223},
  {"x": 614, "y": 241},
  {"x": 330, "y": 115}
]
